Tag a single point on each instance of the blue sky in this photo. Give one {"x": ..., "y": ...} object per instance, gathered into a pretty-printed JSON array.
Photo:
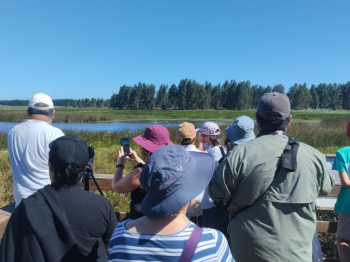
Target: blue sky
[{"x": 76, "y": 49}]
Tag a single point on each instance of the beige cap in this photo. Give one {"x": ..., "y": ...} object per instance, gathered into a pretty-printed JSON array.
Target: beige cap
[
  {"x": 186, "y": 132},
  {"x": 40, "y": 98}
]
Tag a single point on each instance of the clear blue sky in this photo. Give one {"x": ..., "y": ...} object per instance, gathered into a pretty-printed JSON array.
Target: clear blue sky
[{"x": 83, "y": 48}]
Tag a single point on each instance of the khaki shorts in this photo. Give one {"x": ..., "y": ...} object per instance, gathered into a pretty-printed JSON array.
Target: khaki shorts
[{"x": 344, "y": 226}]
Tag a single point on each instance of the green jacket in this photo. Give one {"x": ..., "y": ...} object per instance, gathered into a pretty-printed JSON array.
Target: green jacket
[{"x": 281, "y": 224}]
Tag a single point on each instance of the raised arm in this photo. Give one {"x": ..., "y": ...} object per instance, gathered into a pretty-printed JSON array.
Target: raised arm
[{"x": 131, "y": 181}]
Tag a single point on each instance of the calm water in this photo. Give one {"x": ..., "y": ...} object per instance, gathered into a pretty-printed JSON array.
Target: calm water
[{"x": 115, "y": 126}]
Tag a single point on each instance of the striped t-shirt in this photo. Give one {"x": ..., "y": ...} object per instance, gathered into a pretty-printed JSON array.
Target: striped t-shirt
[{"x": 129, "y": 246}]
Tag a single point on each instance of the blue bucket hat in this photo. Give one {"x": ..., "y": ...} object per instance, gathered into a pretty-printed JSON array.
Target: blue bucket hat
[
  {"x": 241, "y": 131},
  {"x": 172, "y": 177}
]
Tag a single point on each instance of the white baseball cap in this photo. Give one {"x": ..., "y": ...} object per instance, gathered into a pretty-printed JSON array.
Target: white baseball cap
[{"x": 40, "y": 98}]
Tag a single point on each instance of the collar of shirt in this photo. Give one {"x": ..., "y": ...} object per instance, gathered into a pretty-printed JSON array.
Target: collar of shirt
[
  {"x": 272, "y": 132},
  {"x": 191, "y": 147}
]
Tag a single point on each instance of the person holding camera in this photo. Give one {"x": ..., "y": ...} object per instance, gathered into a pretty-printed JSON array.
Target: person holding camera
[
  {"x": 61, "y": 222},
  {"x": 153, "y": 138}
]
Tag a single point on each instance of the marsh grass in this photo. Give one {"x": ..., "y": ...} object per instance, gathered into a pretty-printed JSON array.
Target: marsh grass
[
  {"x": 75, "y": 117},
  {"x": 105, "y": 114},
  {"x": 6, "y": 190}
]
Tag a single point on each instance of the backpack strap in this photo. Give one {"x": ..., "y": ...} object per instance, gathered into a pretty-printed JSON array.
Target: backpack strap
[
  {"x": 222, "y": 153},
  {"x": 191, "y": 245},
  {"x": 288, "y": 161}
]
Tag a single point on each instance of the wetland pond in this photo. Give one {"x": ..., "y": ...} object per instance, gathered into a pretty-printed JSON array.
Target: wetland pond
[{"x": 5, "y": 127}]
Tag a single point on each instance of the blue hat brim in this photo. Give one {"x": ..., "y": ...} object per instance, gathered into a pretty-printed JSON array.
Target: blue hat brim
[
  {"x": 239, "y": 140},
  {"x": 197, "y": 177}
]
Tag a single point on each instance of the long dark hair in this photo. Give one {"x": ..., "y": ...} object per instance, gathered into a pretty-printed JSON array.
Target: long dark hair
[{"x": 68, "y": 174}]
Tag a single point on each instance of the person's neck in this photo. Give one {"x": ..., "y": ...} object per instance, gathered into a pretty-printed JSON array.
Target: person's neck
[
  {"x": 43, "y": 118},
  {"x": 166, "y": 225}
]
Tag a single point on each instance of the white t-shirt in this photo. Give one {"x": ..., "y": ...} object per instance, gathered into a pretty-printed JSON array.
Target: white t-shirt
[
  {"x": 196, "y": 209},
  {"x": 207, "y": 202},
  {"x": 28, "y": 145}
]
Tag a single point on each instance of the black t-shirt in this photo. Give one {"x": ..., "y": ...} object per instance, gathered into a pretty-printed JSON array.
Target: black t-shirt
[
  {"x": 91, "y": 218},
  {"x": 136, "y": 196}
]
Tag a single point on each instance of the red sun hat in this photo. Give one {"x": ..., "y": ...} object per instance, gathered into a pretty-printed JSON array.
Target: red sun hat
[
  {"x": 153, "y": 138},
  {"x": 348, "y": 129}
]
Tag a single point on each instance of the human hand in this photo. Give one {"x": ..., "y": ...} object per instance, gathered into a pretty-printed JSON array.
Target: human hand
[
  {"x": 134, "y": 157},
  {"x": 121, "y": 158},
  {"x": 200, "y": 138}
]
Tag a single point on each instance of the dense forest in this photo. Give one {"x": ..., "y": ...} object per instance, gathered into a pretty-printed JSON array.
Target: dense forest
[
  {"x": 189, "y": 94},
  {"x": 231, "y": 95}
]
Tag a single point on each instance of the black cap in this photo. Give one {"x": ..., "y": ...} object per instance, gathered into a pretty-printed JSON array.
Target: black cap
[{"x": 69, "y": 149}]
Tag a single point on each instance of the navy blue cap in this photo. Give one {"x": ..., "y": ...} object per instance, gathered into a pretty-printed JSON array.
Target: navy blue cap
[
  {"x": 241, "y": 130},
  {"x": 172, "y": 177}
]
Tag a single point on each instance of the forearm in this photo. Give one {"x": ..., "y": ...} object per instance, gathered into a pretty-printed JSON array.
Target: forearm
[
  {"x": 344, "y": 179},
  {"x": 118, "y": 175},
  {"x": 127, "y": 183}
]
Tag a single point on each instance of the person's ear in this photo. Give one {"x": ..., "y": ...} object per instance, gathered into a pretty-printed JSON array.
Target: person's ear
[
  {"x": 53, "y": 114},
  {"x": 256, "y": 118}
]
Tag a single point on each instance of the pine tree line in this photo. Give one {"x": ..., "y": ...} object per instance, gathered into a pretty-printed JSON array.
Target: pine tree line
[
  {"x": 189, "y": 95},
  {"x": 80, "y": 103}
]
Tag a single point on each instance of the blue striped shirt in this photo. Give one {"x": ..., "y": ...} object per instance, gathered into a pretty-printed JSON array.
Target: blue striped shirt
[{"x": 129, "y": 246}]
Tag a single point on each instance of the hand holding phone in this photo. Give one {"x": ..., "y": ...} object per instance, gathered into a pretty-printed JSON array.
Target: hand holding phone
[{"x": 126, "y": 146}]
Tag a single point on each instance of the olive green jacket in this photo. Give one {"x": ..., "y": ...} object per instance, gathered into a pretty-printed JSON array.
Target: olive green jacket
[{"x": 281, "y": 224}]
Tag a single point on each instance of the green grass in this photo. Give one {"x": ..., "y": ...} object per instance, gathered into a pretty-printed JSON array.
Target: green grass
[
  {"x": 109, "y": 115},
  {"x": 327, "y": 136}
]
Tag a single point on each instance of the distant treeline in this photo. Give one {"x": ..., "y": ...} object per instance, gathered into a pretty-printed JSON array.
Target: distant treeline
[
  {"x": 80, "y": 103},
  {"x": 189, "y": 94}
]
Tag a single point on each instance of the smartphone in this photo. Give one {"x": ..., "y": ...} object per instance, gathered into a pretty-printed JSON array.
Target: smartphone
[{"x": 126, "y": 146}]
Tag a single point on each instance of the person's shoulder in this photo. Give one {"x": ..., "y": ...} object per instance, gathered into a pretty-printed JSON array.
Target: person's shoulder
[
  {"x": 310, "y": 150},
  {"x": 214, "y": 234},
  {"x": 216, "y": 149},
  {"x": 344, "y": 151},
  {"x": 53, "y": 129},
  {"x": 36, "y": 199},
  {"x": 95, "y": 199},
  {"x": 18, "y": 127}
]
